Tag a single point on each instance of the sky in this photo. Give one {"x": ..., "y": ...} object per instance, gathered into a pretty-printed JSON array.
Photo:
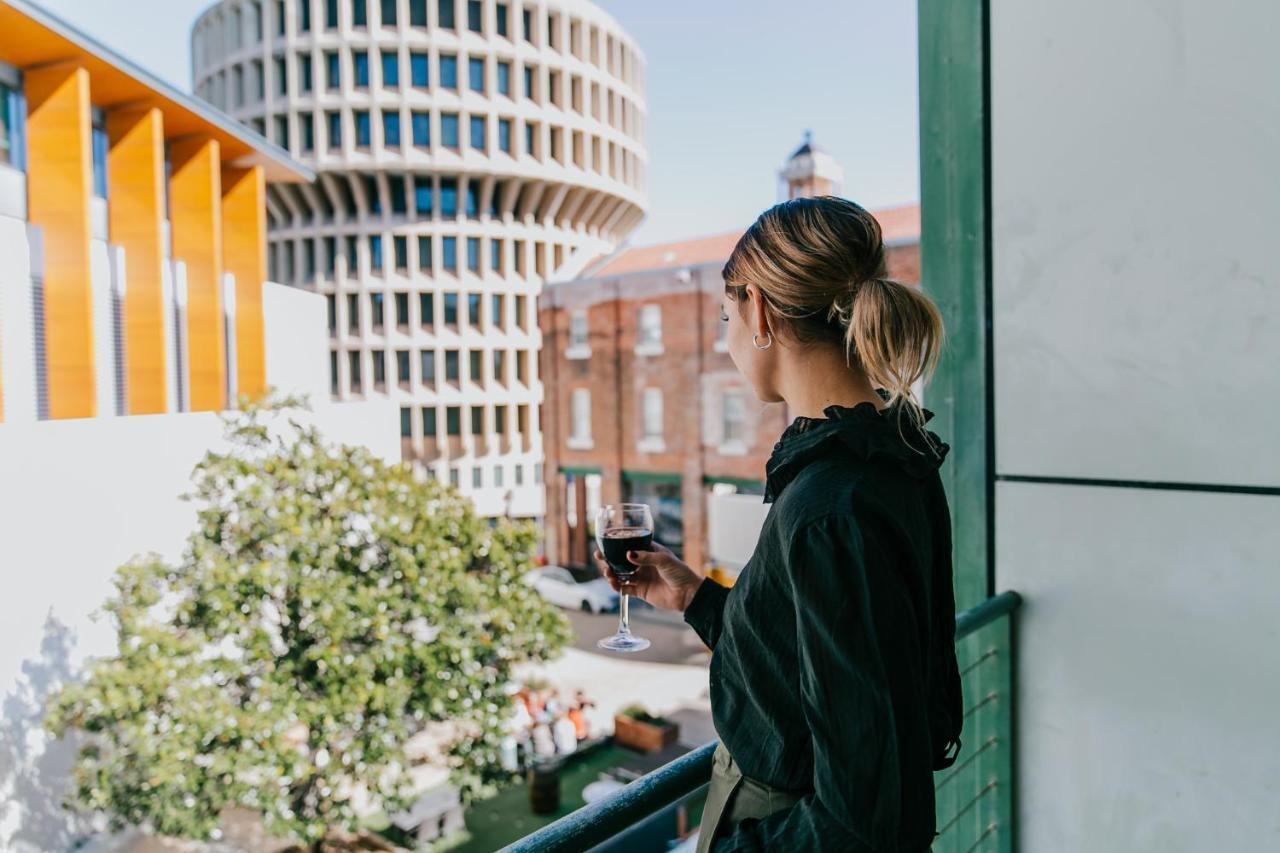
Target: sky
[{"x": 732, "y": 85}]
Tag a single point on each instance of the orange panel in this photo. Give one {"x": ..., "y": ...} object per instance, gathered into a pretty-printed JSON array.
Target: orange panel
[
  {"x": 195, "y": 216},
  {"x": 244, "y": 239},
  {"x": 135, "y": 169},
  {"x": 59, "y": 186}
]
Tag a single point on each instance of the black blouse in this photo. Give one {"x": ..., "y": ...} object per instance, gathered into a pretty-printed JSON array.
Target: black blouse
[{"x": 834, "y": 671}]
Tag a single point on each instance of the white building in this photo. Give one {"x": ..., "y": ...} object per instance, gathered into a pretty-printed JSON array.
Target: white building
[{"x": 466, "y": 151}]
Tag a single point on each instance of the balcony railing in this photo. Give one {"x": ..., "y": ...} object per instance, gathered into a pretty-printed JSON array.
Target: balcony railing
[{"x": 974, "y": 796}]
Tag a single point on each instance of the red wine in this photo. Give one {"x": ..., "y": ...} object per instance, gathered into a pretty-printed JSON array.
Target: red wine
[{"x": 617, "y": 541}]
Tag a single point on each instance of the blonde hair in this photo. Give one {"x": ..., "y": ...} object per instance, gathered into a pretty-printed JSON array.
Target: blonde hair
[{"x": 819, "y": 266}]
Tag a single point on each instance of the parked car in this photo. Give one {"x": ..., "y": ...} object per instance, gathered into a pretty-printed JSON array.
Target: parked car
[{"x": 558, "y": 586}]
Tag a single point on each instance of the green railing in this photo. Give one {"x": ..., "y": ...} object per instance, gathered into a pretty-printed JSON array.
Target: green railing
[{"x": 975, "y": 795}]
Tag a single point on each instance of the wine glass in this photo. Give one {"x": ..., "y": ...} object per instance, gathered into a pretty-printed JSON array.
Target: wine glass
[{"x": 621, "y": 528}]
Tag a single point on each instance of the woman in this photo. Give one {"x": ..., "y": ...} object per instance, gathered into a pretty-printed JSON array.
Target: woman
[{"x": 834, "y": 686}]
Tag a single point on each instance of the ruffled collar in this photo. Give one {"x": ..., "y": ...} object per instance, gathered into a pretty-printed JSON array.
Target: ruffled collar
[{"x": 863, "y": 430}]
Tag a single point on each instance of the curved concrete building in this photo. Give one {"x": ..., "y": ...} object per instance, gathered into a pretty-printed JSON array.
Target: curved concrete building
[{"x": 467, "y": 151}]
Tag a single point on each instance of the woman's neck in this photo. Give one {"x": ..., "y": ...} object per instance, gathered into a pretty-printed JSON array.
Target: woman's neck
[{"x": 814, "y": 378}]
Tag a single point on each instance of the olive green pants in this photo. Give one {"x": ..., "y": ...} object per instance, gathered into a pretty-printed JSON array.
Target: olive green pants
[{"x": 734, "y": 797}]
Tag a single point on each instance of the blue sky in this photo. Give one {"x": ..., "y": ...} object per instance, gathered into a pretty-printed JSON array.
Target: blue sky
[{"x": 732, "y": 85}]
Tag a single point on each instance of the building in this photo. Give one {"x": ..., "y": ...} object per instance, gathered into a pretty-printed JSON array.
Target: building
[
  {"x": 466, "y": 150},
  {"x": 134, "y": 309},
  {"x": 643, "y": 401}
]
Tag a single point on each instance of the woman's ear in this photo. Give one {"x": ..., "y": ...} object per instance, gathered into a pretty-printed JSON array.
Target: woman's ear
[{"x": 757, "y": 316}]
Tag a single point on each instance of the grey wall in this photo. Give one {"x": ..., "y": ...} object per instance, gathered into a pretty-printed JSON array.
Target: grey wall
[{"x": 1136, "y": 195}]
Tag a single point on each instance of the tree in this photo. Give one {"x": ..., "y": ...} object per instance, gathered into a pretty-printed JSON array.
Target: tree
[{"x": 327, "y": 607}]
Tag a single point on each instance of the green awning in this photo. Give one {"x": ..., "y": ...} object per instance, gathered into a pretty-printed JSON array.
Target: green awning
[
  {"x": 578, "y": 470},
  {"x": 740, "y": 482},
  {"x": 650, "y": 477}
]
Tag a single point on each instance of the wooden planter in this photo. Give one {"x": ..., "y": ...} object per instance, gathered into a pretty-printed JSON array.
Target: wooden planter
[{"x": 642, "y": 736}]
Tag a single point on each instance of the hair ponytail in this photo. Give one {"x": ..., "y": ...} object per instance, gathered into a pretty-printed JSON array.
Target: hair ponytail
[{"x": 894, "y": 333}]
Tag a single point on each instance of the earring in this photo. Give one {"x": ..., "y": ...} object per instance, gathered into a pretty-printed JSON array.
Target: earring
[{"x": 755, "y": 340}]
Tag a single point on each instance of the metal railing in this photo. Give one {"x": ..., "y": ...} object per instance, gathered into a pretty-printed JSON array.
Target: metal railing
[{"x": 974, "y": 795}]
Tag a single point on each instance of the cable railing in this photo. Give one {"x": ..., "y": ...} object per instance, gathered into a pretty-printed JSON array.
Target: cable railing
[{"x": 974, "y": 796}]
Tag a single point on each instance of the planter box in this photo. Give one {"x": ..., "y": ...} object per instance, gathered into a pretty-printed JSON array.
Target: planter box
[{"x": 641, "y": 736}]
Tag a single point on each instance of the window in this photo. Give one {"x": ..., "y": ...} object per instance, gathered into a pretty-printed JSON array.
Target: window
[
  {"x": 497, "y": 473},
  {"x": 304, "y": 73},
  {"x": 307, "y": 131},
  {"x": 477, "y": 132},
  {"x": 421, "y": 129},
  {"x": 473, "y": 299},
  {"x": 388, "y": 13},
  {"x": 529, "y": 138},
  {"x": 332, "y": 304},
  {"x": 499, "y": 373},
  {"x": 504, "y": 135},
  {"x": 353, "y": 365},
  {"x": 330, "y": 14},
  {"x": 309, "y": 260},
  {"x": 353, "y": 312},
  {"x": 495, "y": 265},
  {"x": 402, "y": 308},
  {"x": 402, "y": 367},
  {"x": 100, "y": 146},
  {"x": 330, "y": 255},
  {"x": 359, "y": 13},
  {"x": 372, "y": 196},
  {"x": 418, "y": 13},
  {"x": 282, "y": 133},
  {"x": 375, "y": 252},
  {"x": 504, "y": 78},
  {"x": 453, "y": 473},
  {"x": 453, "y": 426},
  {"x": 426, "y": 301},
  {"x": 475, "y": 74},
  {"x": 652, "y": 420},
  {"x": 449, "y": 72},
  {"x": 390, "y": 69},
  {"x": 353, "y": 261},
  {"x": 520, "y": 303},
  {"x": 528, "y": 82},
  {"x": 473, "y": 200},
  {"x": 445, "y": 16},
  {"x": 424, "y": 256},
  {"x": 428, "y": 422},
  {"x": 379, "y": 358},
  {"x": 451, "y": 366},
  {"x": 406, "y": 422},
  {"x": 335, "y": 129},
  {"x": 502, "y": 15},
  {"x": 333, "y": 71},
  {"x": 237, "y": 86},
  {"x": 733, "y": 414},
  {"x": 422, "y": 194},
  {"x": 476, "y": 475},
  {"x": 360, "y": 63},
  {"x": 419, "y": 74},
  {"x": 449, "y": 197},
  {"x": 451, "y": 309},
  {"x": 304, "y": 16},
  {"x": 475, "y": 369},
  {"x": 334, "y": 387},
  {"x": 474, "y": 18},
  {"x": 282, "y": 75},
  {"x": 377, "y": 315},
  {"x": 527, "y": 24},
  {"x": 578, "y": 339},
  {"x": 364, "y": 136},
  {"x": 391, "y": 129},
  {"x": 520, "y": 468},
  {"x": 650, "y": 330},
  {"x": 580, "y": 412},
  {"x": 395, "y": 189},
  {"x": 449, "y": 130},
  {"x": 522, "y": 367},
  {"x": 428, "y": 359},
  {"x": 477, "y": 421},
  {"x": 401, "y": 247},
  {"x": 449, "y": 252}
]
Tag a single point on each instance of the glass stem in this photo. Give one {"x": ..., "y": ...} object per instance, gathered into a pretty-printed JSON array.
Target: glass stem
[{"x": 624, "y": 626}]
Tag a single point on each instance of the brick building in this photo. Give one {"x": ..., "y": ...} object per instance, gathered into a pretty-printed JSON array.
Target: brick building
[{"x": 642, "y": 402}]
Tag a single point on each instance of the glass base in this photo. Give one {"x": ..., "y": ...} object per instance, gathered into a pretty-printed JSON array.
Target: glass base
[{"x": 624, "y": 643}]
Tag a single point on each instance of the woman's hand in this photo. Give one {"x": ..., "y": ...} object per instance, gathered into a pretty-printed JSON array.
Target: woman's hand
[{"x": 660, "y": 578}]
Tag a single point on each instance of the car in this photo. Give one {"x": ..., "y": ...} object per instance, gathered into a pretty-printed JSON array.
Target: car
[{"x": 558, "y": 586}]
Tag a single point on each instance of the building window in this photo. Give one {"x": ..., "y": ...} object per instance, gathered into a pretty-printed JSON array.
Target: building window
[
  {"x": 495, "y": 265},
  {"x": 445, "y": 16},
  {"x": 502, "y": 15},
  {"x": 453, "y": 473},
  {"x": 353, "y": 312},
  {"x": 449, "y": 72},
  {"x": 733, "y": 416},
  {"x": 451, "y": 369},
  {"x": 428, "y": 364},
  {"x": 395, "y": 189},
  {"x": 580, "y": 414},
  {"x": 474, "y": 18},
  {"x": 449, "y": 197},
  {"x": 335, "y": 130},
  {"x": 528, "y": 82},
  {"x": 364, "y": 136},
  {"x": 579, "y": 342},
  {"x": 520, "y": 311},
  {"x": 500, "y": 375},
  {"x": 304, "y": 16},
  {"x": 304, "y": 73},
  {"x": 377, "y": 315},
  {"x": 401, "y": 247},
  {"x": 473, "y": 299},
  {"x": 421, "y": 130},
  {"x": 652, "y": 419},
  {"x": 390, "y": 129},
  {"x": 527, "y": 24},
  {"x": 530, "y": 138},
  {"x": 282, "y": 132},
  {"x": 360, "y": 64},
  {"x": 497, "y": 476},
  {"x": 520, "y": 468},
  {"x": 477, "y": 420},
  {"x": 402, "y": 308},
  {"x": 419, "y": 73},
  {"x": 100, "y": 146},
  {"x": 330, "y": 14},
  {"x": 522, "y": 367},
  {"x": 353, "y": 365},
  {"x": 475, "y": 74},
  {"x": 449, "y": 130},
  {"x": 476, "y": 476},
  {"x": 330, "y": 256},
  {"x": 402, "y": 367},
  {"x": 307, "y": 131},
  {"x": 379, "y": 358},
  {"x": 449, "y": 252},
  {"x": 375, "y": 252},
  {"x": 428, "y": 422},
  {"x": 359, "y": 13},
  {"x": 390, "y": 69},
  {"x": 649, "y": 333},
  {"x": 418, "y": 13},
  {"x": 453, "y": 424},
  {"x": 426, "y": 301},
  {"x": 451, "y": 309},
  {"x": 333, "y": 71},
  {"x": 477, "y": 132},
  {"x": 475, "y": 366},
  {"x": 388, "y": 13},
  {"x": 504, "y": 78},
  {"x": 334, "y": 387},
  {"x": 504, "y": 135},
  {"x": 422, "y": 197},
  {"x": 406, "y": 422}
]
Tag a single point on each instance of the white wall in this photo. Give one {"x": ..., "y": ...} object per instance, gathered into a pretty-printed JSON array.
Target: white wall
[{"x": 1137, "y": 311}]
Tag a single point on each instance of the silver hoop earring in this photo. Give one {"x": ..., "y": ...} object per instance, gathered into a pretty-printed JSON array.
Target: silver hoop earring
[{"x": 755, "y": 340}]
